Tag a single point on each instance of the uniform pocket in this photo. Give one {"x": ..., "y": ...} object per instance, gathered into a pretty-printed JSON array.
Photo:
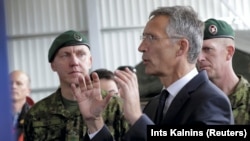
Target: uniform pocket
[{"x": 52, "y": 129}]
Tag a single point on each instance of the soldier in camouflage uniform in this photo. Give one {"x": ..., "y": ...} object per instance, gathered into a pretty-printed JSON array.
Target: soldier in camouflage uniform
[
  {"x": 240, "y": 100},
  {"x": 57, "y": 117},
  {"x": 216, "y": 58},
  {"x": 113, "y": 115}
]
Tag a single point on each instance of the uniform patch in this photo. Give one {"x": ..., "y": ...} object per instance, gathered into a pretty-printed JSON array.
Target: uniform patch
[
  {"x": 77, "y": 37},
  {"x": 213, "y": 29}
]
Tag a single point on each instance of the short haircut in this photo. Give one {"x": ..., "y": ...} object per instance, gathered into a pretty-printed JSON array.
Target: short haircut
[{"x": 103, "y": 74}]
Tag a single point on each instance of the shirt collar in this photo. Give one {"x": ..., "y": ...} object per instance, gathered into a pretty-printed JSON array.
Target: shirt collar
[{"x": 174, "y": 88}]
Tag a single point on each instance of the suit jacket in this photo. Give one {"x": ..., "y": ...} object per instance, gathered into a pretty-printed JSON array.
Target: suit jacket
[{"x": 199, "y": 102}]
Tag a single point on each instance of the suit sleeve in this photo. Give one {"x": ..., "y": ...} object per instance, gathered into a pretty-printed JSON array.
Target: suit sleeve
[
  {"x": 138, "y": 131},
  {"x": 219, "y": 109},
  {"x": 102, "y": 135}
]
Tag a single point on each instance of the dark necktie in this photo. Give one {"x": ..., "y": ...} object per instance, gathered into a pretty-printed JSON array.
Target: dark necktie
[{"x": 162, "y": 100}]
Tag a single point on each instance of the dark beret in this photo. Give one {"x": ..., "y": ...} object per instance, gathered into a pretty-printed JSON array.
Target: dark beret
[
  {"x": 218, "y": 29},
  {"x": 68, "y": 38}
]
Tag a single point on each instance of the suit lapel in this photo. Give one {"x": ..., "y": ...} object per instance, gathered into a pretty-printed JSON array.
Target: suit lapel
[
  {"x": 176, "y": 106},
  {"x": 180, "y": 99},
  {"x": 151, "y": 108}
]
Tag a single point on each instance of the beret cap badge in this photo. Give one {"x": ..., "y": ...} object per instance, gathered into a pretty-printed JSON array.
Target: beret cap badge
[
  {"x": 77, "y": 37},
  {"x": 213, "y": 29}
]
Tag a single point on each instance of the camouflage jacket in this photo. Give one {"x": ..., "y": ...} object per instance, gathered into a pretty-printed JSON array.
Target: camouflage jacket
[
  {"x": 114, "y": 118},
  {"x": 240, "y": 101},
  {"x": 49, "y": 120}
]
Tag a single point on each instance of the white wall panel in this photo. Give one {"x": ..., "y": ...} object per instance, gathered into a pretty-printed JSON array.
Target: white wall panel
[
  {"x": 44, "y": 16},
  {"x": 120, "y": 13},
  {"x": 121, "y": 48}
]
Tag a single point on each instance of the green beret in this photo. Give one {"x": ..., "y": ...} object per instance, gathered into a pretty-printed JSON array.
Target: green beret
[
  {"x": 68, "y": 38},
  {"x": 218, "y": 29}
]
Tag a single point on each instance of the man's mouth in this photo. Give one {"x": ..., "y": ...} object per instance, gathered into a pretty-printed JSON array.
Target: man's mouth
[{"x": 74, "y": 72}]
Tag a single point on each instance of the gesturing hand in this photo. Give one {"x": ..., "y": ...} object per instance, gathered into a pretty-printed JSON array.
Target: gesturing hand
[
  {"x": 88, "y": 95},
  {"x": 129, "y": 91}
]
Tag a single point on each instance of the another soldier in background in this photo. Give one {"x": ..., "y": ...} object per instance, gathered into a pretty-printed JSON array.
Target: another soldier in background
[
  {"x": 57, "y": 117},
  {"x": 216, "y": 58},
  {"x": 113, "y": 114},
  {"x": 21, "y": 101}
]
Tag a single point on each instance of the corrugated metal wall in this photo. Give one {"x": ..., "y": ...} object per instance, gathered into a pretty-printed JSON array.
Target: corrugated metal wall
[{"x": 33, "y": 24}]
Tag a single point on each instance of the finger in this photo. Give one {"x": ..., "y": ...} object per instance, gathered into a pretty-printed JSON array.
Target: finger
[
  {"x": 107, "y": 99},
  {"x": 130, "y": 71},
  {"x": 121, "y": 77},
  {"x": 96, "y": 80},
  {"x": 82, "y": 84},
  {"x": 128, "y": 76},
  {"x": 124, "y": 75},
  {"x": 76, "y": 91},
  {"x": 88, "y": 82}
]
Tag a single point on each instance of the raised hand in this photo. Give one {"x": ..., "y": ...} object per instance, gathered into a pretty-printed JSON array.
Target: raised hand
[
  {"x": 90, "y": 101},
  {"x": 129, "y": 91}
]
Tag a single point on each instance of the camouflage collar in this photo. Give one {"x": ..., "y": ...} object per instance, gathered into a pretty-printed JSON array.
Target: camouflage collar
[{"x": 58, "y": 107}]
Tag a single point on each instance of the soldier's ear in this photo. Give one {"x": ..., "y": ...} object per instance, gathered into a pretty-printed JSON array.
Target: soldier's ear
[
  {"x": 230, "y": 52},
  {"x": 53, "y": 66}
]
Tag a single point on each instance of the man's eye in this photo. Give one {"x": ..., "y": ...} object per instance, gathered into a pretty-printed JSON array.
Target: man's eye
[
  {"x": 64, "y": 55},
  {"x": 206, "y": 49},
  {"x": 148, "y": 37},
  {"x": 81, "y": 54},
  {"x": 151, "y": 37}
]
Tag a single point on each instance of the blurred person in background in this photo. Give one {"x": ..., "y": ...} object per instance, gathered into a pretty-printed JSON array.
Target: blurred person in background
[
  {"x": 216, "y": 58},
  {"x": 21, "y": 100}
]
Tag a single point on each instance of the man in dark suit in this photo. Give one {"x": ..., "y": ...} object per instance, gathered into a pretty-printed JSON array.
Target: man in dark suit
[{"x": 171, "y": 43}]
